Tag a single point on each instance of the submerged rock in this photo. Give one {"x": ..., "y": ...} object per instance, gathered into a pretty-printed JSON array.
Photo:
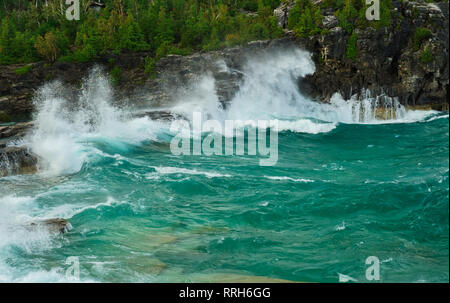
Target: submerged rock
[
  {"x": 146, "y": 265},
  {"x": 17, "y": 161},
  {"x": 54, "y": 225},
  {"x": 235, "y": 278},
  {"x": 159, "y": 115}
]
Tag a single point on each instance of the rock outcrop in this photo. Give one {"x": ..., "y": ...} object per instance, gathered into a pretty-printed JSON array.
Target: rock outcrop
[
  {"x": 56, "y": 226},
  {"x": 17, "y": 161},
  {"x": 14, "y": 159},
  {"x": 159, "y": 115},
  {"x": 387, "y": 61},
  {"x": 282, "y": 13},
  {"x": 17, "y": 130},
  {"x": 175, "y": 73}
]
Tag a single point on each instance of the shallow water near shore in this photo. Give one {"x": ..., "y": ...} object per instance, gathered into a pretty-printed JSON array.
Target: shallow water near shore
[{"x": 344, "y": 188}]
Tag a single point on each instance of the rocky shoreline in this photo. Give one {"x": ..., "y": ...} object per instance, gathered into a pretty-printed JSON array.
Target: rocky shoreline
[
  {"x": 54, "y": 226},
  {"x": 387, "y": 62},
  {"x": 388, "y": 59},
  {"x": 14, "y": 159}
]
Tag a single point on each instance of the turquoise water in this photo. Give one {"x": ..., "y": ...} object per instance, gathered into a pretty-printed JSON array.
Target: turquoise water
[
  {"x": 340, "y": 192},
  {"x": 374, "y": 190}
]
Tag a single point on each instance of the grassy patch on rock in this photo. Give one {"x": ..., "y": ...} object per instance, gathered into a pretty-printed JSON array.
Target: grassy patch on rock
[
  {"x": 420, "y": 35},
  {"x": 426, "y": 56},
  {"x": 23, "y": 70}
]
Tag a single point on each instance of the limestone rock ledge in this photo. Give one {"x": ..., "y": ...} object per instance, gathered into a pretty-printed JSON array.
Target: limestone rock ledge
[{"x": 16, "y": 159}]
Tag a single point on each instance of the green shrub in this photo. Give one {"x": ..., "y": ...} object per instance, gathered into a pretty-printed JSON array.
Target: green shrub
[
  {"x": 150, "y": 67},
  {"x": 347, "y": 16},
  {"x": 250, "y": 5},
  {"x": 23, "y": 70},
  {"x": 420, "y": 35},
  {"x": 68, "y": 59},
  {"x": 258, "y": 32},
  {"x": 352, "y": 14},
  {"x": 305, "y": 19},
  {"x": 385, "y": 13},
  {"x": 47, "y": 46},
  {"x": 115, "y": 75},
  {"x": 352, "y": 49},
  {"x": 7, "y": 52},
  {"x": 426, "y": 56}
]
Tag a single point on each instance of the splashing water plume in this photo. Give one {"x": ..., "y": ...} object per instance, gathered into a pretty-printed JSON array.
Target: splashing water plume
[
  {"x": 141, "y": 213},
  {"x": 65, "y": 128}
]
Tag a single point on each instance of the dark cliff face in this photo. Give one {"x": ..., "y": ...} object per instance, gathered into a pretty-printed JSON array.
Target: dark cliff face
[{"x": 387, "y": 61}]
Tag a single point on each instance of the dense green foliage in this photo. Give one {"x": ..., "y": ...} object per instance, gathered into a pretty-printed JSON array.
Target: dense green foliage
[
  {"x": 426, "y": 56},
  {"x": 351, "y": 14},
  {"x": 38, "y": 30},
  {"x": 306, "y": 18},
  {"x": 32, "y": 30},
  {"x": 115, "y": 75},
  {"x": 352, "y": 49}
]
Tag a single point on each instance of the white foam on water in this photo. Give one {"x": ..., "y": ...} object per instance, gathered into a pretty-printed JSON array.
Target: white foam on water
[
  {"x": 68, "y": 211},
  {"x": 305, "y": 126},
  {"x": 17, "y": 233},
  {"x": 367, "y": 108},
  {"x": 54, "y": 275},
  {"x": 346, "y": 278},
  {"x": 270, "y": 91},
  {"x": 436, "y": 117},
  {"x": 184, "y": 171},
  {"x": 65, "y": 130},
  {"x": 15, "y": 226},
  {"x": 289, "y": 179},
  {"x": 340, "y": 227}
]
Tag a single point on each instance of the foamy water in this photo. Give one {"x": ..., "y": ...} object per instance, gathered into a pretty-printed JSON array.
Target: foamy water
[
  {"x": 65, "y": 129},
  {"x": 113, "y": 175}
]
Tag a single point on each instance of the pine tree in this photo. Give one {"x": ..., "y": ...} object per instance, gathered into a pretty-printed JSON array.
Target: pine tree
[{"x": 7, "y": 35}]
